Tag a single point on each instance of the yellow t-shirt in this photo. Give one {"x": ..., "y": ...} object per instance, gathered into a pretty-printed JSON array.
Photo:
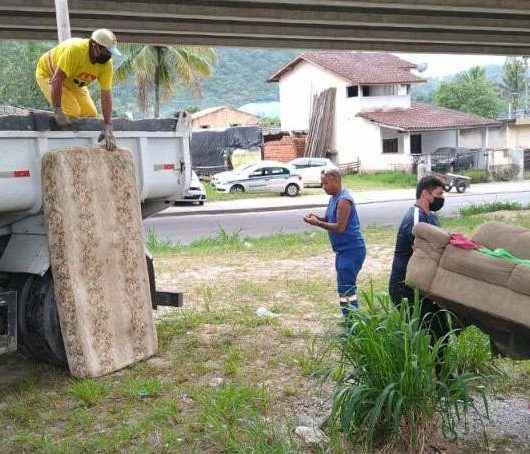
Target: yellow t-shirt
[{"x": 72, "y": 57}]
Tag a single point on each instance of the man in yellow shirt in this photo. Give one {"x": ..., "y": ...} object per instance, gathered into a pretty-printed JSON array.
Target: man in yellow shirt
[{"x": 64, "y": 72}]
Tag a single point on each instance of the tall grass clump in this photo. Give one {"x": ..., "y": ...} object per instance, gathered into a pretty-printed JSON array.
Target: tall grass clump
[
  {"x": 489, "y": 207},
  {"x": 399, "y": 387}
]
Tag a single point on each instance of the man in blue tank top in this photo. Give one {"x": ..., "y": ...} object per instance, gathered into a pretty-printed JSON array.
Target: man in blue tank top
[{"x": 342, "y": 223}]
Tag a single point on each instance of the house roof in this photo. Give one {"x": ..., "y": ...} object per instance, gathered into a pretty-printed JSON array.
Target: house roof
[
  {"x": 357, "y": 67},
  {"x": 421, "y": 117},
  {"x": 209, "y": 110}
]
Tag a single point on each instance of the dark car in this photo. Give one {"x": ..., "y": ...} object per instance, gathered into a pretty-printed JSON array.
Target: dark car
[{"x": 453, "y": 159}]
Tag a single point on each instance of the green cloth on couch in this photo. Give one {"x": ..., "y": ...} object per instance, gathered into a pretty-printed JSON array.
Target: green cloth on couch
[{"x": 505, "y": 255}]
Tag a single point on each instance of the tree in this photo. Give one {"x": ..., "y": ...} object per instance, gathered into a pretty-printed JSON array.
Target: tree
[
  {"x": 17, "y": 74},
  {"x": 470, "y": 91},
  {"x": 513, "y": 80},
  {"x": 160, "y": 70}
]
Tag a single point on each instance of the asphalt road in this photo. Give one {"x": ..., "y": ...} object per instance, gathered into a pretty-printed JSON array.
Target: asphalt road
[{"x": 185, "y": 229}]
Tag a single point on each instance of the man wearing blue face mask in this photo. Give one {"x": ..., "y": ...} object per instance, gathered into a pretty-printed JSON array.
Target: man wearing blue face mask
[{"x": 429, "y": 199}]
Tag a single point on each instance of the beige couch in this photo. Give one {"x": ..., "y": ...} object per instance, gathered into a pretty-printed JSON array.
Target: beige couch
[{"x": 491, "y": 293}]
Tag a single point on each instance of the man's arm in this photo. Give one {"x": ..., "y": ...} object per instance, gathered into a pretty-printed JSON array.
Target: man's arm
[
  {"x": 57, "y": 88},
  {"x": 57, "y": 94},
  {"x": 343, "y": 214},
  {"x": 106, "y": 108}
]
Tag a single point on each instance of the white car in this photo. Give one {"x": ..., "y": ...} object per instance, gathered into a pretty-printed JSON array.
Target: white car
[
  {"x": 265, "y": 176},
  {"x": 311, "y": 168},
  {"x": 196, "y": 193}
]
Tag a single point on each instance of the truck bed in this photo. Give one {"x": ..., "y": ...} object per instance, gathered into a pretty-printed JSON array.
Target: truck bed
[{"x": 160, "y": 149}]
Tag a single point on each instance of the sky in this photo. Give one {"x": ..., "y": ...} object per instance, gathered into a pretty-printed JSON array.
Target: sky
[{"x": 439, "y": 65}]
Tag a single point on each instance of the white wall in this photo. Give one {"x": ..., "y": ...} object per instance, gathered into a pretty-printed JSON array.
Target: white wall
[
  {"x": 432, "y": 140},
  {"x": 297, "y": 89},
  {"x": 519, "y": 136},
  {"x": 353, "y": 137}
]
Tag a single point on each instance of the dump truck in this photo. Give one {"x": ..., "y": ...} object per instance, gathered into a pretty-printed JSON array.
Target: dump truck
[{"x": 28, "y": 311}]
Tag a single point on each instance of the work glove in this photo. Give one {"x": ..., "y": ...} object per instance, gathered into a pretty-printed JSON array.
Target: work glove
[
  {"x": 61, "y": 119},
  {"x": 107, "y": 138}
]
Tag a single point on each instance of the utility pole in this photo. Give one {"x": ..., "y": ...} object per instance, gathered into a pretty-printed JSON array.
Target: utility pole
[{"x": 63, "y": 20}]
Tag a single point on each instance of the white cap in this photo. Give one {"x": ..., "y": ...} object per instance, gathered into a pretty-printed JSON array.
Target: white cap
[{"x": 106, "y": 38}]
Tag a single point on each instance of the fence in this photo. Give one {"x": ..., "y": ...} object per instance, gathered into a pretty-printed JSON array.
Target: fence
[{"x": 500, "y": 164}]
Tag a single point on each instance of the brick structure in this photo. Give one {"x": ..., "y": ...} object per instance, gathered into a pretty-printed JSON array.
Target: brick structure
[{"x": 285, "y": 149}]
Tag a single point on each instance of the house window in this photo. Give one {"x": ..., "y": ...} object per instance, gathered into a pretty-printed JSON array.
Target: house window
[
  {"x": 408, "y": 89},
  {"x": 390, "y": 145},
  {"x": 353, "y": 91},
  {"x": 365, "y": 90}
]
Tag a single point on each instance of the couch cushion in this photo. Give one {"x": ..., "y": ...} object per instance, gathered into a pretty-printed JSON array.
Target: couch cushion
[
  {"x": 514, "y": 239},
  {"x": 483, "y": 296},
  {"x": 476, "y": 265},
  {"x": 520, "y": 279}
]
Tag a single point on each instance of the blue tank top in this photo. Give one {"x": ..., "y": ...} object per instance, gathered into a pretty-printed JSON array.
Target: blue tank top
[{"x": 352, "y": 237}]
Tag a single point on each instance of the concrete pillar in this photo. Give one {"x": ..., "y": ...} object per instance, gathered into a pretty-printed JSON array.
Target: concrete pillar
[
  {"x": 485, "y": 138},
  {"x": 457, "y": 138},
  {"x": 406, "y": 144},
  {"x": 63, "y": 20},
  {"x": 518, "y": 159},
  {"x": 424, "y": 166}
]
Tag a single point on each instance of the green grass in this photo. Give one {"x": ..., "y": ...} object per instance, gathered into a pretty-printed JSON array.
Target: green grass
[
  {"x": 140, "y": 388},
  {"x": 396, "y": 384},
  {"x": 477, "y": 176},
  {"x": 88, "y": 391},
  {"x": 234, "y": 415},
  {"x": 380, "y": 180},
  {"x": 224, "y": 242},
  {"x": 489, "y": 207},
  {"x": 470, "y": 351}
]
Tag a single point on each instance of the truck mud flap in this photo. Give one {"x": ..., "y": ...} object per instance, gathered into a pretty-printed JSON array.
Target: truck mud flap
[
  {"x": 8, "y": 322},
  {"x": 172, "y": 299}
]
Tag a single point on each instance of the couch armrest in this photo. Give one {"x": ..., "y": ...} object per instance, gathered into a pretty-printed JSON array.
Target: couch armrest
[
  {"x": 429, "y": 245},
  {"x": 435, "y": 236}
]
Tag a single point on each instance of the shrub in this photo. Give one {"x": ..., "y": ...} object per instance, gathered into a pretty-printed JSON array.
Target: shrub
[
  {"x": 505, "y": 172},
  {"x": 397, "y": 387},
  {"x": 477, "y": 176}
]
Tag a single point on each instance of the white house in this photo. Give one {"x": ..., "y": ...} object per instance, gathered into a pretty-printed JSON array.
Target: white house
[{"x": 375, "y": 120}]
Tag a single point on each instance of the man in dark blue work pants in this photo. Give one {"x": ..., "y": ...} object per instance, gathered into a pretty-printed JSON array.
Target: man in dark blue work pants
[{"x": 342, "y": 223}]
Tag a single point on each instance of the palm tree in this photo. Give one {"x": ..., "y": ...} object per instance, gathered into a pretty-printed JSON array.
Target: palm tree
[{"x": 161, "y": 69}]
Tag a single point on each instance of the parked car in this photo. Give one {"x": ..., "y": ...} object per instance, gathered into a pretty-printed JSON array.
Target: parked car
[
  {"x": 265, "y": 176},
  {"x": 311, "y": 168},
  {"x": 453, "y": 159},
  {"x": 196, "y": 194}
]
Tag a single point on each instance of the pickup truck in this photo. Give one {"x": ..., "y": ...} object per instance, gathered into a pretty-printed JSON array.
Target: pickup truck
[{"x": 28, "y": 313}]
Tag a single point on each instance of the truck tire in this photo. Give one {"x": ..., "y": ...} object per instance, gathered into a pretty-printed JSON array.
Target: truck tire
[{"x": 39, "y": 330}]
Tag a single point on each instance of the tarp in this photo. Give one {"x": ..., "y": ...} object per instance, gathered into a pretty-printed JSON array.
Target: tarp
[
  {"x": 92, "y": 211},
  {"x": 211, "y": 148}
]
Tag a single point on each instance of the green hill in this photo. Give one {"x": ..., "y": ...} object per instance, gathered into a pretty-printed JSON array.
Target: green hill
[{"x": 240, "y": 77}]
